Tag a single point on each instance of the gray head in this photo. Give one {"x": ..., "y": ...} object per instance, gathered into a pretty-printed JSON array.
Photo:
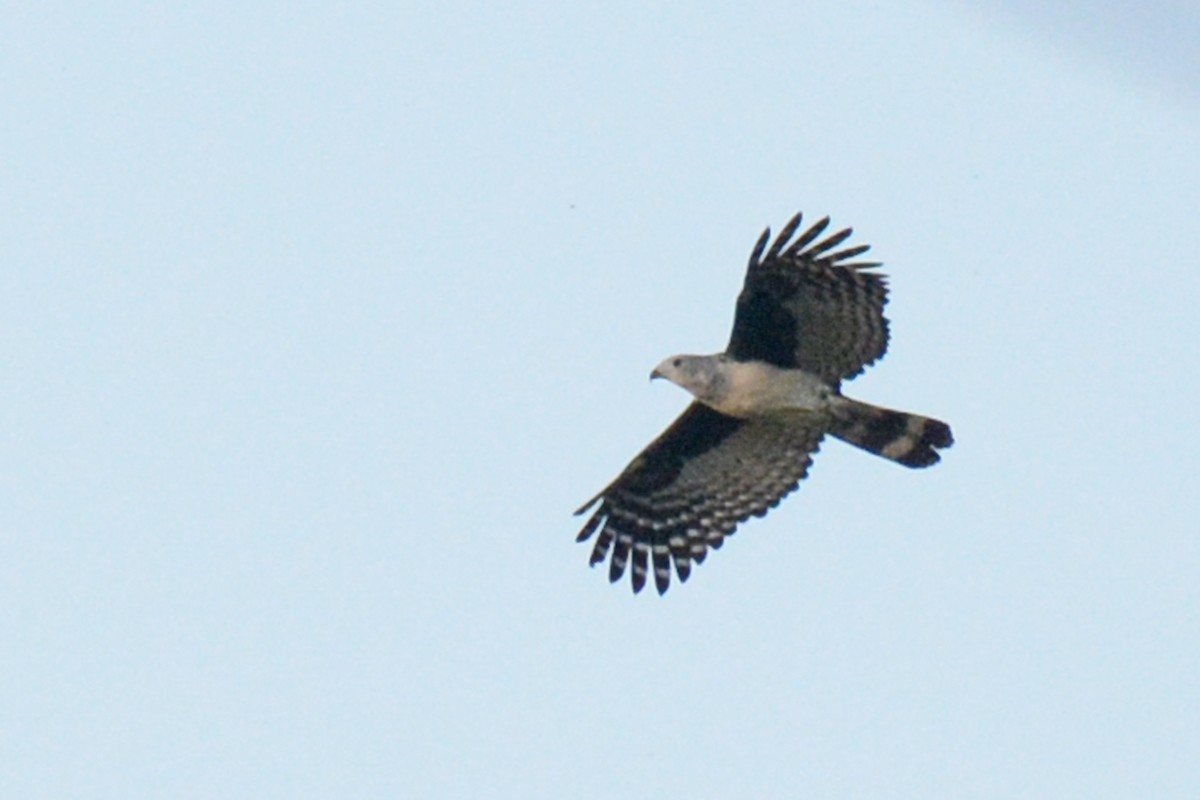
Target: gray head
[{"x": 700, "y": 375}]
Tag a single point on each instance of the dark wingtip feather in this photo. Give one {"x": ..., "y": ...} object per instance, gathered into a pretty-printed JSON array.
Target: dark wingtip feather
[
  {"x": 639, "y": 568},
  {"x": 681, "y": 555},
  {"x": 616, "y": 567},
  {"x": 807, "y": 237},
  {"x": 785, "y": 233},
  {"x": 757, "y": 252},
  {"x": 662, "y": 569},
  {"x": 583, "y": 508},
  {"x": 590, "y": 527},
  {"x": 600, "y": 550},
  {"x": 830, "y": 243},
  {"x": 849, "y": 252},
  {"x": 683, "y": 568}
]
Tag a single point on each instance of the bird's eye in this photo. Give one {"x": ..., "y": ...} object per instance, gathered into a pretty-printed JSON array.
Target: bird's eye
[{"x": 677, "y": 362}]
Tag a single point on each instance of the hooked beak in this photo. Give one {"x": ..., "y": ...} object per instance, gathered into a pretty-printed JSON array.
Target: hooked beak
[{"x": 656, "y": 374}]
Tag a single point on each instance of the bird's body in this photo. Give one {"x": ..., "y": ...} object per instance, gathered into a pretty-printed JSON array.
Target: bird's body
[
  {"x": 805, "y": 321},
  {"x": 745, "y": 389}
]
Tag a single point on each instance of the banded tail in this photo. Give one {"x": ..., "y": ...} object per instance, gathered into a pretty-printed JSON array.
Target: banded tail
[{"x": 908, "y": 439}]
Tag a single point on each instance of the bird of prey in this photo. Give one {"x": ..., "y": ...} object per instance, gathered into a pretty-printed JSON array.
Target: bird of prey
[{"x": 806, "y": 319}]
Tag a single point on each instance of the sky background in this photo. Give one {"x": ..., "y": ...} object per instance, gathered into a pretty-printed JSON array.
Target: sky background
[{"x": 317, "y": 322}]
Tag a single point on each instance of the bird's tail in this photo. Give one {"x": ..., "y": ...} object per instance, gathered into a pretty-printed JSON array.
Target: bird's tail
[{"x": 908, "y": 439}]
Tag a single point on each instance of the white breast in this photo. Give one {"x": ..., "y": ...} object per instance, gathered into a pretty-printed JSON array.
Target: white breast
[{"x": 752, "y": 388}]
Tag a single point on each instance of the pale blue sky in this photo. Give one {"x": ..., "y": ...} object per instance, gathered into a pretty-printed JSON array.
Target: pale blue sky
[{"x": 317, "y": 323}]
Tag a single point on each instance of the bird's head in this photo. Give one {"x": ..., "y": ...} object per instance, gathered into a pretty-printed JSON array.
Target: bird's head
[{"x": 697, "y": 374}]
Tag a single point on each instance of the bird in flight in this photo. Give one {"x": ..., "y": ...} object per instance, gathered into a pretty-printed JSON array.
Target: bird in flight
[{"x": 806, "y": 319}]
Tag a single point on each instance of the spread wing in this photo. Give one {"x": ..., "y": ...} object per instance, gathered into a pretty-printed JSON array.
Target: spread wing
[
  {"x": 805, "y": 307},
  {"x": 693, "y": 485}
]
